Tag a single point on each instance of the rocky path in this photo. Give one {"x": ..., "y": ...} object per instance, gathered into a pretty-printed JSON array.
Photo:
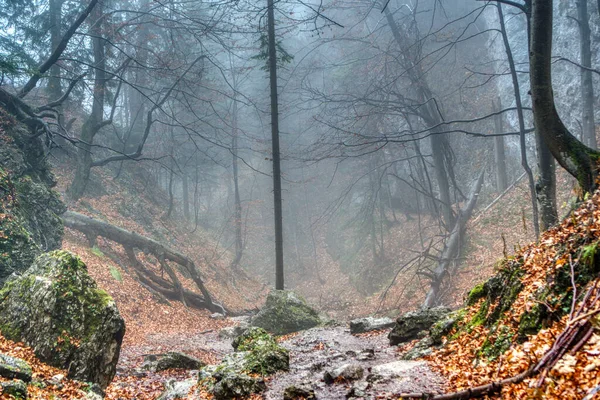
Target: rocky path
[{"x": 369, "y": 367}]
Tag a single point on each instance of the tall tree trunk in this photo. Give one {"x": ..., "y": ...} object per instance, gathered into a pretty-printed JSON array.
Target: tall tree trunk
[
  {"x": 571, "y": 154},
  {"x": 275, "y": 143},
  {"x": 587, "y": 84},
  {"x": 517, "y": 91},
  {"x": 546, "y": 185},
  {"x": 92, "y": 123},
  {"x": 54, "y": 81},
  {"x": 499, "y": 154},
  {"x": 237, "y": 215}
]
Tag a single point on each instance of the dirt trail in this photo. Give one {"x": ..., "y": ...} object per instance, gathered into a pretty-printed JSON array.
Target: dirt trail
[{"x": 312, "y": 352}]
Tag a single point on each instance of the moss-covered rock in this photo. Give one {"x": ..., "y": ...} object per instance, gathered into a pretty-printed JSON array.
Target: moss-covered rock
[
  {"x": 409, "y": 325},
  {"x": 14, "y": 389},
  {"x": 235, "y": 386},
  {"x": 14, "y": 368},
  {"x": 29, "y": 208},
  {"x": 285, "y": 312},
  {"x": 57, "y": 308}
]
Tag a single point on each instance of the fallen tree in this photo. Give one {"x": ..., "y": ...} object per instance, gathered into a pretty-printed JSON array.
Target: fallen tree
[
  {"x": 452, "y": 246},
  {"x": 171, "y": 289}
]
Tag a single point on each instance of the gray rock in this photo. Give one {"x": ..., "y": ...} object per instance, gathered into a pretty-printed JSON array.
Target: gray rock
[
  {"x": 393, "y": 370},
  {"x": 299, "y": 391},
  {"x": 362, "y": 325},
  {"x": 421, "y": 349},
  {"x": 366, "y": 354},
  {"x": 17, "y": 389},
  {"x": 231, "y": 332},
  {"x": 410, "y": 325},
  {"x": 358, "y": 390},
  {"x": 285, "y": 312},
  {"x": 233, "y": 386},
  {"x": 14, "y": 368},
  {"x": 217, "y": 316},
  {"x": 171, "y": 360},
  {"x": 347, "y": 372},
  {"x": 177, "y": 390},
  {"x": 57, "y": 308}
]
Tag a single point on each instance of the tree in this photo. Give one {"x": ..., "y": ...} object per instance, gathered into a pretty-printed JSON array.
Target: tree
[
  {"x": 576, "y": 158},
  {"x": 279, "y": 279},
  {"x": 587, "y": 84}
]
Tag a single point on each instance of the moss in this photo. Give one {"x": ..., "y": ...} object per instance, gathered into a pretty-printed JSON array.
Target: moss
[
  {"x": 476, "y": 293},
  {"x": 497, "y": 344},
  {"x": 97, "y": 252}
]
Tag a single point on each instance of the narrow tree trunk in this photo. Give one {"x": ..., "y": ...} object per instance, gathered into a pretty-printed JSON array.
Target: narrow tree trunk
[
  {"x": 587, "y": 84},
  {"x": 572, "y": 155},
  {"x": 517, "y": 91},
  {"x": 186, "y": 197},
  {"x": 92, "y": 124},
  {"x": 171, "y": 197},
  {"x": 275, "y": 143},
  {"x": 54, "y": 80},
  {"x": 499, "y": 155},
  {"x": 237, "y": 216},
  {"x": 546, "y": 185}
]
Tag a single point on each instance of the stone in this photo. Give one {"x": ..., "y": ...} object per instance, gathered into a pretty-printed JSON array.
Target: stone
[
  {"x": 231, "y": 332},
  {"x": 285, "y": 312},
  {"x": 233, "y": 386},
  {"x": 423, "y": 348},
  {"x": 346, "y": 372},
  {"x": 31, "y": 210},
  {"x": 15, "y": 368},
  {"x": 362, "y": 325},
  {"x": 411, "y": 324},
  {"x": 217, "y": 316},
  {"x": 299, "y": 391},
  {"x": 171, "y": 360},
  {"x": 17, "y": 389},
  {"x": 56, "y": 379},
  {"x": 392, "y": 370},
  {"x": 177, "y": 390},
  {"x": 358, "y": 390},
  {"x": 56, "y": 308},
  {"x": 263, "y": 354},
  {"x": 366, "y": 354}
]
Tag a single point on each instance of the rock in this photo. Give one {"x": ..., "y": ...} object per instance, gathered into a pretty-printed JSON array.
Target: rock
[
  {"x": 300, "y": 391},
  {"x": 444, "y": 326},
  {"x": 421, "y": 349},
  {"x": 171, "y": 360},
  {"x": 366, "y": 354},
  {"x": 231, "y": 332},
  {"x": 56, "y": 379},
  {"x": 409, "y": 325},
  {"x": 388, "y": 371},
  {"x": 263, "y": 354},
  {"x": 285, "y": 312},
  {"x": 359, "y": 389},
  {"x": 217, "y": 316},
  {"x": 17, "y": 389},
  {"x": 233, "y": 386},
  {"x": 362, "y": 325},
  {"x": 31, "y": 211},
  {"x": 347, "y": 372},
  {"x": 14, "y": 368},
  {"x": 57, "y": 308},
  {"x": 177, "y": 390}
]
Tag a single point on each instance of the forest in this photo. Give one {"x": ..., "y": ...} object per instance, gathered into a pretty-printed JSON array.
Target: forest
[{"x": 299, "y": 199}]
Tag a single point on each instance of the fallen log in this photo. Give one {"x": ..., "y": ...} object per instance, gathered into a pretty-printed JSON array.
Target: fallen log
[
  {"x": 452, "y": 245},
  {"x": 93, "y": 228}
]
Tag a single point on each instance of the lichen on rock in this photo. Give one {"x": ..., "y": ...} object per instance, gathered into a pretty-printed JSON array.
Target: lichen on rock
[
  {"x": 57, "y": 308},
  {"x": 285, "y": 312}
]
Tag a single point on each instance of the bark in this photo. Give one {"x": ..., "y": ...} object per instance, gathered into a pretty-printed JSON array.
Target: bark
[
  {"x": 237, "y": 215},
  {"x": 546, "y": 185},
  {"x": 54, "y": 80},
  {"x": 587, "y": 84},
  {"x": 499, "y": 154},
  {"x": 279, "y": 279},
  {"x": 578, "y": 159},
  {"x": 130, "y": 240},
  {"x": 186, "y": 197},
  {"x": 94, "y": 122},
  {"x": 452, "y": 245},
  {"x": 517, "y": 91}
]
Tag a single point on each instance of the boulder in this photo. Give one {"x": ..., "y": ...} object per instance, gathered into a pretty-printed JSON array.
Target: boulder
[
  {"x": 408, "y": 326},
  {"x": 231, "y": 332},
  {"x": 171, "y": 360},
  {"x": 362, "y": 325},
  {"x": 177, "y": 390},
  {"x": 234, "y": 386},
  {"x": 14, "y": 368},
  {"x": 261, "y": 352},
  {"x": 345, "y": 373},
  {"x": 57, "y": 309},
  {"x": 358, "y": 390},
  {"x": 392, "y": 370},
  {"x": 285, "y": 312},
  {"x": 300, "y": 391},
  {"x": 423, "y": 348},
  {"x": 30, "y": 210},
  {"x": 17, "y": 389}
]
